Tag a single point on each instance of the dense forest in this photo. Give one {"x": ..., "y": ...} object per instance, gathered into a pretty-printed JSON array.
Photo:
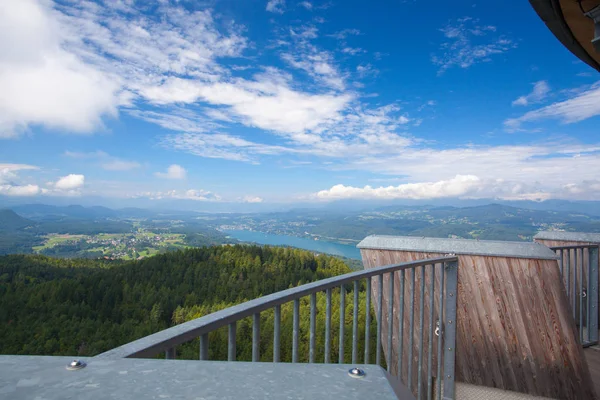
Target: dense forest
[{"x": 84, "y": 307}]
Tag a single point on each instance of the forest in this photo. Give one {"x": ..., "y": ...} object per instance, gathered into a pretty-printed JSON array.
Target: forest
[{"x": 83, "y": 307}]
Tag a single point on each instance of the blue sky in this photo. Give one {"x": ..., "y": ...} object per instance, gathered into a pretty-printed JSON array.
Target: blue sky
[{"x": 291, "y": 101}]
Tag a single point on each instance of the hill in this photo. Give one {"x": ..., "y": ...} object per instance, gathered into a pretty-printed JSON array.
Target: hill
[
  {"x": 83, "y": 307},
  {"x": 10, "y": 221}
]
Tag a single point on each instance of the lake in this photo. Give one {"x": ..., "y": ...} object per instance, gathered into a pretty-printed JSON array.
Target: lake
[{"x": 345, "y": 250}]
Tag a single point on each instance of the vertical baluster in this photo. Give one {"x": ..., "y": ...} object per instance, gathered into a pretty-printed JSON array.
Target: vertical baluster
[
  {"x": 574, "y": 289},
  {"x": 421, "y": 320},
  {"x": 277, "y": 334},
  {"x": 581, "y": 298},
  {"x": 355, "y": 325},
  {"x": 342, "y": 323},
  {"x": 431, "y": 330},
  {"x": 368, "y": 320},
  {"x": 440, "y": 340},
  {"x": 170, "y": 354},
  {"x": 296, "y": 330},
  {"x": 256, "y": 338},
  {"x": 328, "y": 327},
  {"x": 593, "y": 295},
  {"x": 411, "y": 327},
  {"x": 560, "y": 262},
  {"x": 231, "y": 341},
  {"x": 313, "y": 319},
  {"x": 204, "y": 347},
  {"x": 390, "y": 319},
  {"x": 379, "y": 316},
  {"x": 588, "y": 297},
  {"x": 568, "y": 270},
  {"x": 401, "y": 325}
]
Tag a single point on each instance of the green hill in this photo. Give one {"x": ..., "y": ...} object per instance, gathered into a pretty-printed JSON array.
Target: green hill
[
  {"x": 83, "y": 307},
  {"x": 10, "y": 221}
]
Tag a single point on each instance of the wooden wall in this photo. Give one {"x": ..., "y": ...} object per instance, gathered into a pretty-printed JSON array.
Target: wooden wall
[{"x": 515, "y": 330}]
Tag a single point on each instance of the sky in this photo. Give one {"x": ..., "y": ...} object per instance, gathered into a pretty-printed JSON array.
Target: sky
[{"x": 282, "y": 101}]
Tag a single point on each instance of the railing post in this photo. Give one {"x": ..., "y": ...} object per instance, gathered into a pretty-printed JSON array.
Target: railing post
[
  {"x": 277, "y": 334},
  {"x": 593, "y": 296},
  {"x": 170, "y": 354},
  {"x": 204, "y": 347},
  {"x": 450, "y": 328},
  {"x": 231, "y": 350},
  {"x": 256, "y": 338}
]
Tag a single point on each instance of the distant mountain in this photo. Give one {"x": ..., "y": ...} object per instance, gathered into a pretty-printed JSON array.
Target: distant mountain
[{"x": 10, "y": 221}]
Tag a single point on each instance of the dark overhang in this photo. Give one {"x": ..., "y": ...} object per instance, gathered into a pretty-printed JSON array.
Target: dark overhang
[{"x": 566, "y": 20}]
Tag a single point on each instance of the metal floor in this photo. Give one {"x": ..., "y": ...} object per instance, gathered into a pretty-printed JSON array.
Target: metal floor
[{"x": 592, "y": 355}]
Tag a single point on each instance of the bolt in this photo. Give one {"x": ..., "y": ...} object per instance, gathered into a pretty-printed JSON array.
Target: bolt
[
  {"x": 356, "y": 372},
  {"x": 451, "y": 294},
  {"x": 449, "y": 348},
  {"x": 450, "y": 321},
  {"x": 448, "y": 376},
  {"x": 75, "y": 364}
]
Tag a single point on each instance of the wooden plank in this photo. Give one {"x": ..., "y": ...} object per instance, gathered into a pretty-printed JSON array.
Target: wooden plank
[{"x": 515, "y": 329}]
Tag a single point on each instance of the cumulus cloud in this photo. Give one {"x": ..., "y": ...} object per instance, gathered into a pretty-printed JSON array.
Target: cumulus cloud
[
  {"x": 252, "y": 199},
  {"x": 173, "y": 172},
  {"x": 460, "y": 185},
  {"x": 42, "y": 83},
  {"x": 20, "y": 191},
  {"x": 10, "y": 184},
  {"x": 70, "y": 182},
  {"x": 540, "y": 92},
  {"x": 583, "y": 106}
]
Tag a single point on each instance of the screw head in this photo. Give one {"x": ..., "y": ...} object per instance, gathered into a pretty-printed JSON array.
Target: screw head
[
  {"x": 356, "y": 372},
  {"x": 75, "y": 365}
]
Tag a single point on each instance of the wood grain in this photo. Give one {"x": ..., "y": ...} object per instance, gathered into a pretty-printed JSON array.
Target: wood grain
[{"x": 515, "y": 329}]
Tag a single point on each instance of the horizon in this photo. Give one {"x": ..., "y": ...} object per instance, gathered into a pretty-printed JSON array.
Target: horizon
[{"x": 266, "y": 104}]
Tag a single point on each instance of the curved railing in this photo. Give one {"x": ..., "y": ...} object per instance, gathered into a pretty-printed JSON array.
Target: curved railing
[
  {"x": 578, "y": 265},
  {"x": 167, "y": 340}
]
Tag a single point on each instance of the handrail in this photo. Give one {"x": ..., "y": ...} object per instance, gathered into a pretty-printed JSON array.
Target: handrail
[
  {"x": 151, "y": 345},
  {"x": 572, "y": 247}
]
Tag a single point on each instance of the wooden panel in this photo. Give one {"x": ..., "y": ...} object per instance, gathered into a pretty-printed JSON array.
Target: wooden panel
[{"x": 515, "y": 330}]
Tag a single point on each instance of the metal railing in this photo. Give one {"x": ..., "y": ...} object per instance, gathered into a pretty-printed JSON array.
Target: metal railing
[
  {"x": 579, "y": 270},
  {"x": 410, "y": 364}
]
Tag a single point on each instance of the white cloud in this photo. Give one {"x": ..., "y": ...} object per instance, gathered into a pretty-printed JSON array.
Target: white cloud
[
  {"x": 42, "y": 83},
  {"x": 540, "y": 92},
  {"x": 455, "y": 187},
  {"x": 252, "y": 199},
  {"x": 191, "y": 194},
  {"x": 352, "y": 50},
  {"x": 343, "y": 34},
  {"x": 120, "y": 165},
  {"x": 276, "y": 6},
  {"x": 306, "y": 4},
  {"x": 467, "y": 44},
  {"x": 9, "y": 180},
  {"x": 583, "y": 106},
  {"x": 173, "y": 172},
  {"x": 70, "y": 182},
  {"x": 107, "y": 162},
  {"x": 267, "y": 102},
  {"x": 21, "y": 191}
]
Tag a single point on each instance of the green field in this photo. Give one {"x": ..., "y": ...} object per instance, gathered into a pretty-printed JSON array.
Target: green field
[{"x": 124, "y": 246}]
